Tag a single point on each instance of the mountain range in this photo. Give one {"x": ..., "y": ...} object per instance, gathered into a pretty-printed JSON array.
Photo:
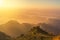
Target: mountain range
[
  {"x": 52, "y": 25},
  {"x": 14, "y": 28}
]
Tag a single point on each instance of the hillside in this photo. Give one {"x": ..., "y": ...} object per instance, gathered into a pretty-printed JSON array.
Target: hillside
[
  {"x": 4, "y": 36},
  {"x": 14, "y": 28}
]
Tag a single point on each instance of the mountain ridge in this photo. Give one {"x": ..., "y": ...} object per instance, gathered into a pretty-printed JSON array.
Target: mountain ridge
[{"x": 14, "y": 28}]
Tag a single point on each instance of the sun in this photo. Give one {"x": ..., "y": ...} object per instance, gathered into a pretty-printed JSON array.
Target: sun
[{"x": 1, "y": 2}]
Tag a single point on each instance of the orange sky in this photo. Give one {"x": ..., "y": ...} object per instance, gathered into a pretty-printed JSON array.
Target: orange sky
[{"x": 24, "y": 11}]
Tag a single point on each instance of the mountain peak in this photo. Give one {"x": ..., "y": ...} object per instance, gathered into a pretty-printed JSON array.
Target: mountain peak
[{"x": 13, "y": 22}]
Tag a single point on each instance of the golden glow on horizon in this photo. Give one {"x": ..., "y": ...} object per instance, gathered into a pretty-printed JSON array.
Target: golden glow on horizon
[{"x": 14, "y": 9}]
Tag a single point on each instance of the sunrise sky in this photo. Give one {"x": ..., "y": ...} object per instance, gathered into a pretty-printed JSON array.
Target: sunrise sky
[{"x": 29, "y": 11}]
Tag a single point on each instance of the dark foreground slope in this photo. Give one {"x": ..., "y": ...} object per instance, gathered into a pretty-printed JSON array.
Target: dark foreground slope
[{"x": 3, "y": 36}]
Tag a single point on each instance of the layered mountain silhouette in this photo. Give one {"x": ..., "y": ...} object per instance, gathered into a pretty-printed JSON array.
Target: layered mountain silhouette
[
  {"x": 14, "y": 28},
  {"x": 53, "y": 25}
]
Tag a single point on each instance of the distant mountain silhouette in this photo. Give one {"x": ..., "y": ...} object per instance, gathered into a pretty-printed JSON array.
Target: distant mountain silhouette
[
  {"x": 14, "y": 28},
  {"x": 11, "y": 28},
  {"x": 53, "y": 25}
]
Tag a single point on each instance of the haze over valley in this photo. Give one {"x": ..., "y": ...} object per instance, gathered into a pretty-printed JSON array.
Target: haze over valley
[{"x": 29, "y": 19}]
